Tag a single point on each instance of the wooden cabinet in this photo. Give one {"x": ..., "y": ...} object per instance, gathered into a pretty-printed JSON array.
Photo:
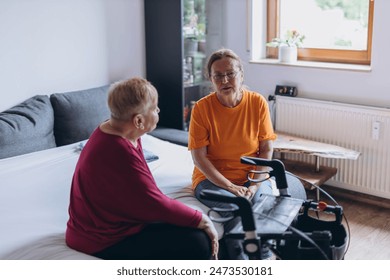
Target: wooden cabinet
[{"x": 177, "y": 44}]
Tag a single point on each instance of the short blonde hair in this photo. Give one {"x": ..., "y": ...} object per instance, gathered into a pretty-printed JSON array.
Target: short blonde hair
[{"x": 128, "y": 97}]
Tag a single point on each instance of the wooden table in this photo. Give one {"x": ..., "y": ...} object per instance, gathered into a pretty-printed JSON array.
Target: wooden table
[{"x": 309, "y": 172}]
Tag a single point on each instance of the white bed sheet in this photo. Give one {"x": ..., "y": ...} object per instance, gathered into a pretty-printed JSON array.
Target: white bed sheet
[{"x": 34, "y": 197}]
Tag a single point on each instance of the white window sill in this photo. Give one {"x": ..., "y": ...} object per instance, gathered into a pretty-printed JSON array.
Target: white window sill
[{"x": 313, "y": 64}]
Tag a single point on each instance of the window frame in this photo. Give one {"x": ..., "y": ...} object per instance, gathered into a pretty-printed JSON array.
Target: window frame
[{"x": 315, "y": 54}]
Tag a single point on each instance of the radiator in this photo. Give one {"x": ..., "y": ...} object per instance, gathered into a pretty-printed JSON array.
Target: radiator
[{"x": 360, "y": 128}]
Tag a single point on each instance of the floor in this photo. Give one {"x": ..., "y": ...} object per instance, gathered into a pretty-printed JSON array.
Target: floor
[{"x": 369, "y": 225}]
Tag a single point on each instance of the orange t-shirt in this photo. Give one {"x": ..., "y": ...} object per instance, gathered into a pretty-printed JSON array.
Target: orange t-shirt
[{"x": 229, "y": 133}]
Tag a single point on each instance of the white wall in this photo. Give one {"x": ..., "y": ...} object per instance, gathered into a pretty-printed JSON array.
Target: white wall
[
  {"x": 369, "y": 88},
  {"x": 51, "y": 46},
  {"x": 60, "y": 45}
]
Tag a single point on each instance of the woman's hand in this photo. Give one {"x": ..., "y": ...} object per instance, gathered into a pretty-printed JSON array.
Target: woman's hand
[
  {"x": 251, "y": 191},
  {"x": 210, "y": 230},
  {"x": 238, "y": 190}
]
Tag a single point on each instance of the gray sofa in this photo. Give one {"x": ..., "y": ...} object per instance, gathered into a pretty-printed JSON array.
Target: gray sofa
[
  {"x": 43, "y": 122},
  {"x": 47, "y": 121}
]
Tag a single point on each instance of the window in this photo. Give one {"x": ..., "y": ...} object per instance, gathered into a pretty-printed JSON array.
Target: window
[{"x": 337, "y": 31}]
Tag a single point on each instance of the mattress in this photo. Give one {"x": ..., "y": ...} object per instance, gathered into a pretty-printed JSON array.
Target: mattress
[{"x": 34, "y": 196}]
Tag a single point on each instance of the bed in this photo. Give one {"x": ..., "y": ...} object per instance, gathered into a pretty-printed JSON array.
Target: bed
[{"x": 34, "y": 196}]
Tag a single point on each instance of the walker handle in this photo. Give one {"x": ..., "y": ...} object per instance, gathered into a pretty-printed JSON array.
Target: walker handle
[
  {"x": 244, "y": 207},
  {"x": 278, "y": 171}
]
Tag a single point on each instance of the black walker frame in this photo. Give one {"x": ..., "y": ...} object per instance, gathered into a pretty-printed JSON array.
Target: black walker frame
[{"x": 305, "y": 237}]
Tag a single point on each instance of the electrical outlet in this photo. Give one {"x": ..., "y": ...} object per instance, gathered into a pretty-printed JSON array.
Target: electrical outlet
[
  {"x": 375, "y": 130},
  {"x": 286, "y": 91}
]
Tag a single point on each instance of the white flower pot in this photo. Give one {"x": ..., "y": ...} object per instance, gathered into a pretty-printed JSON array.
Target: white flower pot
[{"x": 288, "y": 54}]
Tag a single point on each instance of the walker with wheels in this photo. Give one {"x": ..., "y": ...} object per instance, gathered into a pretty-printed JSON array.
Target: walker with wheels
[{"x": 291, "y": 228}]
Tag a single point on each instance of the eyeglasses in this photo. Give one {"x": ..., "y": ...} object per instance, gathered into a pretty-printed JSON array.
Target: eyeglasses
[{"x": 221, "y": 77}]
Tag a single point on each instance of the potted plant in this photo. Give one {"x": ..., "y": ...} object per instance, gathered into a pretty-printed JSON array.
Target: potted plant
[
  {"x": 190, "y": 45},
  {"x": 201, "y": 36},
  {"x": 288, "y": 46},
  {"x": 194, "y": 28}
]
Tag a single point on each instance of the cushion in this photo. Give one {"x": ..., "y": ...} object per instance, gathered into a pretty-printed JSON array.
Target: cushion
[
  {"x": 176, "y": 136},
  {"x": 27, "y": 127},
  {"x": 78, "y": 113}
]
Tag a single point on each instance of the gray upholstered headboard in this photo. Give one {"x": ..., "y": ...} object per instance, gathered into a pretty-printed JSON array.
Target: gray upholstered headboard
[{"x": 43, "y": 122}]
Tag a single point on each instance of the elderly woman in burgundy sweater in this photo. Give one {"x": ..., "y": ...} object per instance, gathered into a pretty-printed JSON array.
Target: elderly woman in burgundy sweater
[{"x": 116, "y": 210}]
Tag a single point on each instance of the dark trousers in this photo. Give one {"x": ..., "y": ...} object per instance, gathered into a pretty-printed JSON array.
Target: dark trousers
[{"x": 161, "y": 242}]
